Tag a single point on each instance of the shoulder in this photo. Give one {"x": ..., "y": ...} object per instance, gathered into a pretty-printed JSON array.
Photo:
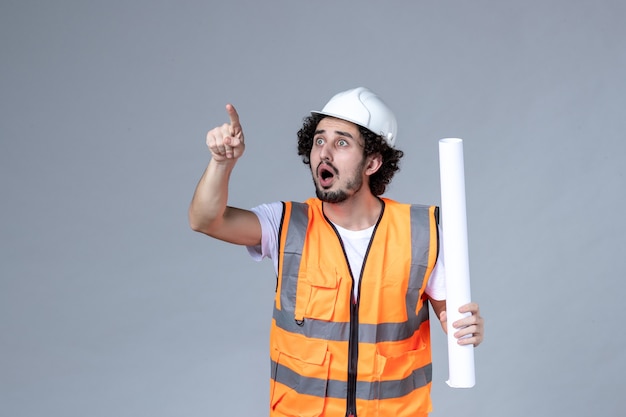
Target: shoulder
[
  {"x": 269, "y": 210},
  {"x": 393, "y": 204},
  {"x": 415, "y": 209}
]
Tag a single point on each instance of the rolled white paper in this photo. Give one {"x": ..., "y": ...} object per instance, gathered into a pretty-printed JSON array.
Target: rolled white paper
[{"x": 455, "y": 257}]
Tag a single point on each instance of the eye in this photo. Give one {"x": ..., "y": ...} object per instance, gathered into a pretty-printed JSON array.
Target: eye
[
  {"x": 319, "y": 141},
  {"x": 342, "y": 142}
]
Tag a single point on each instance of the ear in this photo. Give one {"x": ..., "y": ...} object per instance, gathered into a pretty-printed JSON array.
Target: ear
[{"x": 374, "y": 162}]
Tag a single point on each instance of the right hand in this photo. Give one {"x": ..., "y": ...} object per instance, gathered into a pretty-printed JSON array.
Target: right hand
[{"x": 226, "y": 142}]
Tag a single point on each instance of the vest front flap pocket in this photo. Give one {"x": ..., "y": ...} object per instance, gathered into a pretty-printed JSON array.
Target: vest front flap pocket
[
  {"x": 412, "y": 370},
  {"x": 300, "y": 376},
  {"x": 323, "y": 285},
  {"x": 400, "y": 366}
]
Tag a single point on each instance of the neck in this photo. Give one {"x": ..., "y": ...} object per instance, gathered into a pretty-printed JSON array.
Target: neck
[{"x": 355, "y": 213}]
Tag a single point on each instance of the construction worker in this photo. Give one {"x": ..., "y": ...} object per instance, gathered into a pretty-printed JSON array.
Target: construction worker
[{"x": 356, "y": 272}]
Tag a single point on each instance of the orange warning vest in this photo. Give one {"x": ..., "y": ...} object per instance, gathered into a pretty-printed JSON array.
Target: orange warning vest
[{"x": 334, "y": 355}]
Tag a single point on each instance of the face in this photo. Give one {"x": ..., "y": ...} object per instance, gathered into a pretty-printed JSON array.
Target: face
[{"x": 337, "y": 160}]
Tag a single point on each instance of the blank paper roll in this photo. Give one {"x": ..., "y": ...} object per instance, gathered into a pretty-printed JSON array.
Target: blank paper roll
[{"x": 455, "y": 257}]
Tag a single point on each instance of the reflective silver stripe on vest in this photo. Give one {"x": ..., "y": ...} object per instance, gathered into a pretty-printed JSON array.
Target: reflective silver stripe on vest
[
  {"x": 378, "y": 390},
  {"x": 420, "y": 248},
  {"x": 339, "y": 331},
  {"x": 296, "y": 233}
]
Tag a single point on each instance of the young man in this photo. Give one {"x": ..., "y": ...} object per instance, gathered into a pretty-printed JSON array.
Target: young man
[{"x": 350, "y": 332}]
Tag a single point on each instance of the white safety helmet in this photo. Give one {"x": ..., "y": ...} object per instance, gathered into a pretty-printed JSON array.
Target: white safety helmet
[{"x": 364, "y": 108}]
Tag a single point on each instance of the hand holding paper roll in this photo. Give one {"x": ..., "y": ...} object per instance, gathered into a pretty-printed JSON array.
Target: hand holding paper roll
[{"x": 469, "y": 329}]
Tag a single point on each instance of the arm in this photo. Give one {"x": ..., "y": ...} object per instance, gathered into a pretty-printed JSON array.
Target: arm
[
  {"x": 208, "y": 211},
  {"x": 472, "y": 325},
  {"x": 439, "y": 306}
]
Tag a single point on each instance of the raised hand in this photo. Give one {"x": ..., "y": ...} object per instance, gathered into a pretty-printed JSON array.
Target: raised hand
[{"x": 226, "y": 142}]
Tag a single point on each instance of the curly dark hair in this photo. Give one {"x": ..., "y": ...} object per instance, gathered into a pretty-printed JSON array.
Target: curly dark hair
[{"x": 373, "y": 144}]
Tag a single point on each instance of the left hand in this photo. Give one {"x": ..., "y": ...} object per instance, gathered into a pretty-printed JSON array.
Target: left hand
[{"x": 472, "y": 327}]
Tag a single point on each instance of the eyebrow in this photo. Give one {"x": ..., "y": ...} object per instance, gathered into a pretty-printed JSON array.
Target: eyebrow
[{"x": 338, "y": 132}]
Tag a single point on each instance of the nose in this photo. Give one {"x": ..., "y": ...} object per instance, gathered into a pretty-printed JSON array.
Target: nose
[{"x": 325, "y": 152}]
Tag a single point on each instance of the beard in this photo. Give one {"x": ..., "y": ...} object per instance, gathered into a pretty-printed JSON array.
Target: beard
[
  {"x": 338, "y": 196},
  {"x": 331, "y": 196}
]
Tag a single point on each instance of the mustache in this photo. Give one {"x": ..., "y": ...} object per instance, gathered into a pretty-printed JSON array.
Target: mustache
[{"x": 328, "y": 165}]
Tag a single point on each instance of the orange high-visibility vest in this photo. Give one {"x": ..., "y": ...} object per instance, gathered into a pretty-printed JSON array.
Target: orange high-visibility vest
[{"x": 334, "y": 355}]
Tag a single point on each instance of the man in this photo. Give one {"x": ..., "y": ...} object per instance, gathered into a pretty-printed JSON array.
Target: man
[{"x": 350, "y": 331}]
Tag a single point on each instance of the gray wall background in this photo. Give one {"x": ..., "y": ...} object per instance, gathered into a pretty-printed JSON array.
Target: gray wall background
[{"x": 111, "y": 305}]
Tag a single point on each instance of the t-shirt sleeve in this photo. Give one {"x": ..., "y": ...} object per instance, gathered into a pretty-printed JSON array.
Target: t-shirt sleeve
[
  {"x": 436, "y": 287},
  {"x": 269, "y": 216}
]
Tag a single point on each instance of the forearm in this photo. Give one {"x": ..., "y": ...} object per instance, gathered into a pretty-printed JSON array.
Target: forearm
[
  {"x": 439, "y": 306},
  {"x": 211, "y": 196}
]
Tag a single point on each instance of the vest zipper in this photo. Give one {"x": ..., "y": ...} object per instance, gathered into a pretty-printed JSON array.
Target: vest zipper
[
  {"x": 353, "y": 356},
  {"x": 353, "y": 342}
]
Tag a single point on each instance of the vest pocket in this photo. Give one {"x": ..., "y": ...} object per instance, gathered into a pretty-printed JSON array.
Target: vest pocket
[
  {"x": 404, "y": 376},
  {"x": 317, "y": 294},
  {"x": 300, "y": 377}
]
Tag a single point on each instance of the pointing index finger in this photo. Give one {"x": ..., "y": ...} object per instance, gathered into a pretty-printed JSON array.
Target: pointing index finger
[{"x": 234, "y": 118}]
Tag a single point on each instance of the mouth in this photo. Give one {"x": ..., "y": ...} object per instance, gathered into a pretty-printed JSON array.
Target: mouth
[{"x": 326, "y": 174}]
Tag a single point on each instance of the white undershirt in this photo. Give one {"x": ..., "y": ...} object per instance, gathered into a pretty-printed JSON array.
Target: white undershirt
[{"x": 355, "y": 244}]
